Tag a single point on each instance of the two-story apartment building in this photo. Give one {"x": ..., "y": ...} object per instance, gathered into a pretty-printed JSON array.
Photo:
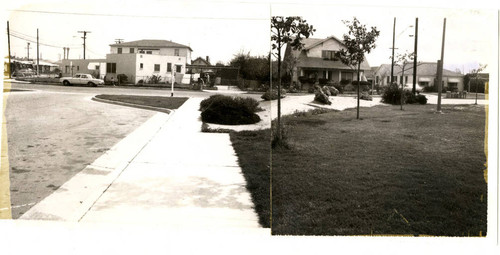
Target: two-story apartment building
[
  {"x": 426, "y": 76},
  {"x": 317, "y": 60},
  {"x": 138, "y": 60}
]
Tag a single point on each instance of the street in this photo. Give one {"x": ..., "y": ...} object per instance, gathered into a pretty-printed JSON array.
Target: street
[{"x": 55, "y": 131}]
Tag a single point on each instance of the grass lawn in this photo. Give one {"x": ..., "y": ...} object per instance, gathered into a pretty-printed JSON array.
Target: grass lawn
[
  {"x": 394, "y": 172},
  {"x": 154, "y": 101},
  {"x": 253, "y": 150}
]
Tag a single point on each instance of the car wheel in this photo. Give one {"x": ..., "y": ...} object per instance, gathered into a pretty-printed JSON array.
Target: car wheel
[
  {"x": 66, "y": 83},
  {"x": 92, "y": 84}
]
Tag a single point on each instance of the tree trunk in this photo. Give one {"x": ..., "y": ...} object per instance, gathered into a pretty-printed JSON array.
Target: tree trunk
[
  {"x": 359, "y": 85},
  {"x": 279, "y": 89},
  {"x": 402, "y": 86}
]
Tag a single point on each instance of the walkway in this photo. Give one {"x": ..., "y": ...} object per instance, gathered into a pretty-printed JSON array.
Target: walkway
[{"x": 166, "y": 172}]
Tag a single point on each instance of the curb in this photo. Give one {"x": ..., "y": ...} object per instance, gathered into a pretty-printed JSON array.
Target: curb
[{"x": 145, "y": 107}]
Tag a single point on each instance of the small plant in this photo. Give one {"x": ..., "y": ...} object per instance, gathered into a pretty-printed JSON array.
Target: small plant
[
  {"x": 273, "y": 95},
  {"x": 122, "y": 78},
  {"x": 155, "y": 79}
]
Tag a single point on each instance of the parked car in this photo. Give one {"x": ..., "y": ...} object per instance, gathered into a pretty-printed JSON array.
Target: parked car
[{"x": 81, "y": 78}]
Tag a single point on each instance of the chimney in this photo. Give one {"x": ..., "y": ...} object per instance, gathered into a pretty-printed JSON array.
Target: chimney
[{"x": 208, "y": 59}]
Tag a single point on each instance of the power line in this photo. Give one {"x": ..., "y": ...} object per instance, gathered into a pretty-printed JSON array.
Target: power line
[{"x": 137, "y": 16}]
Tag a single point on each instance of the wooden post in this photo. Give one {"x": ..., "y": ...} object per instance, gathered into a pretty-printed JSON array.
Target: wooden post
[
  {"x": 8, "y": 42},
  {"x": 393, "y": 45},
  {"x": 414, "y": 89}
]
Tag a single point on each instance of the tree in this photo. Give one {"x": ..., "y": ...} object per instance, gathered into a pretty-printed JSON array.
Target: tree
[
  {"x": 357, "y": 41},
  {"x": 287, "y": 30},
  {"x": 474, "y": 74},
  {"x": 251, "y": 67},
  {"x": 403, "y": 60}
]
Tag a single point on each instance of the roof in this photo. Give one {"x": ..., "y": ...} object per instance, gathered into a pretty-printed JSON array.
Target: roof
[
  {"x": 152, "y": 43},
  {"x": 423, "y": 69},
  {"x": 202, "y": 60},
  {"x": 313, "y": 42}
]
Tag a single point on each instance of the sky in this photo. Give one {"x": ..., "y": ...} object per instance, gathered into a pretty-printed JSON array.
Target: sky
[{"x": 221, "y": 29}]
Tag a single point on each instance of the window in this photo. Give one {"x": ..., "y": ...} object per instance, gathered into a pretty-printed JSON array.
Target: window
[
  {"x": 141, "y": 51},
  {"x": 157, "y": 68},
  {"x": 67, "y": 69},
  {"x": 328, "y": 54},
  {"x": 131, "y": 50},
  {"x": 176, "y": 52},
  {"x": 388, "y": 80},
  {"x": 97, "y": 67},
  {"x": 141, "y": 65},
  {"x": 169, "y": 67},
  {"x": 78, "y": 68},
  {"x": 119, "y": 50},
  {"x": 377, "y": 79},
  {"x": 110, "y": 67},
  {"x": 149, "y": 52},
  {"x": 178, "y": 68},
  {"x": 406, "y": 79}
]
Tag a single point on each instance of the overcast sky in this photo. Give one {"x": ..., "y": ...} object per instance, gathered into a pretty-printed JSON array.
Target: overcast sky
[{"x": 220, "y": 29}]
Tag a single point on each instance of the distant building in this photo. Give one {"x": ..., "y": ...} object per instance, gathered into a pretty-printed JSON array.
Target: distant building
[
  {"x": 426, "y": 76},
  {"x": 317, "y": 60},
  {"x": 138, "y": 60}
]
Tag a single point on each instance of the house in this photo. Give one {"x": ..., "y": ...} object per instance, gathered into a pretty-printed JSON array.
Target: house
[
  {"x": 426, "y": 76},
  {"x": 199, "y": 65},
  {"x": 138, "y": 60},
  {"x": 316, "y": 60}
]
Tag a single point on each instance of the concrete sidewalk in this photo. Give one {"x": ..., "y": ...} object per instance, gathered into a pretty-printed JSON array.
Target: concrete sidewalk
[{"x": 165, "y": 173}]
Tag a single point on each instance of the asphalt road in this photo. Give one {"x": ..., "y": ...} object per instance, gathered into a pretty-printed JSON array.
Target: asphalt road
[{"x": 55, "y": 131}]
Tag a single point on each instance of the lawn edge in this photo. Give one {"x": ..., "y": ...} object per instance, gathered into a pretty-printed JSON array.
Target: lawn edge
[{"x": 145, "y": 107}]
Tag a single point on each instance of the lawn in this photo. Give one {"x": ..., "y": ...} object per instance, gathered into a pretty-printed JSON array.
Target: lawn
[
  {"x": 253, "y": 151},
  {"x": 154, "y": 101},
  {"x": 394, "y": 172}
]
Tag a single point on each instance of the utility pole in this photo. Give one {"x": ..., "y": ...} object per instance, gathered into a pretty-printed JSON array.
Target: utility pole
[
  {"x": 393, "y": 45},
  {"x": 28, "y": 47},
  {"x": 8, "y": 42},
  {"x": 414, "y": 90},
  {"x": 440, "y": 68},
  {"x": 84, "y": 37},
  {"x": 37, "y": 54}
]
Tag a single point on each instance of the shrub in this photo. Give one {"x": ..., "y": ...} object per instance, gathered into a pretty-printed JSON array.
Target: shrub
[
  {"x": 421, "y": 99},
  {"x": 392, "y": 95},
  {"x": 339, "y": 87},
  {"x": 227, "y": 110},
  {"x": 322, "y": 81},
  {"x": 155, "y": 79},
  {"x": 273, "y": 95},
  {"x": 333, "y": 91},
  {"x": 344, "y": 82},
  {"x": 122, "y": 78},
  {"x": 366, "y": 96},
  {"x": 326, "y": 90}
]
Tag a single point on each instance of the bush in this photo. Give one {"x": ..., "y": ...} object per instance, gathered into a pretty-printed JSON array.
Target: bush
[
  {"x": 273, "y": 95},
  {"x": 366, "y": 96},
  {"x": 227, "y": 110},
  {"x": 333, "y": 91},
  {"x": 392, "y": 95},
  {"x": 155, "y": 79},
  {"x": 322, "y": 81},
  {"x": 122, "y": 78},
  {"x": 326, "y": 90},
  {"x": 339, "y": 87}
]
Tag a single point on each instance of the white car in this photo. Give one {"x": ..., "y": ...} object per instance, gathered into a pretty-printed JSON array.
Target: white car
[{"x": 80, "y": 79}]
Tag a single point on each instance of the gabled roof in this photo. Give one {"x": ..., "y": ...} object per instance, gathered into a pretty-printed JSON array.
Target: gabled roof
[
  {"x": 152, "y": 43},
  {"x": 310, "y": 43},
  {"x": 202, "y": 60},
  {"x": 423, "y": 69}
]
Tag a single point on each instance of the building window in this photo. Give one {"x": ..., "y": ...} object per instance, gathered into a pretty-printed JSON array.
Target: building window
[
  {"x": 176, "y": 52},
  {"x": 388, "y": 79},
  {"x": 178, "y": 68},
  {"x": 110, "y": 67},
  {"x": 67, "y": 69},
  {"x": 141, "y": 51},
  {"x": 328, "y": 54},
  {"x": 377, "y": 79},
  {"x": 149, "y": 52},
  {"x": 119, "y": 50},
  {"x": 131, "y": 50},
  {"x": 96, "y": 67},
  {"x": 169, "y": 67},
  {"x": 157, "y": 68},
  {"x": 78, "y": 68},
  {"x": 406, "y": 79},
  {"x": 141, "y": 65}
]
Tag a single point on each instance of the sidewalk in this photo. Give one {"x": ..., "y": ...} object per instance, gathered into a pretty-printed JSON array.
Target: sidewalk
[{"x": 165, "y": 173}]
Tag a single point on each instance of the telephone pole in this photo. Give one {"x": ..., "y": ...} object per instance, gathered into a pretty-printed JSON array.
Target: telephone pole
[
  {"x": 84, "y": 37},
  {"x": 28, "y": 48},
  {"x": 8, "y": 42},
  {"x": 393, "y": 43},
  {"x": 415, "y": 59},
  {"x": 440, "y": 68},
  {"x": 37, "y": 54}
]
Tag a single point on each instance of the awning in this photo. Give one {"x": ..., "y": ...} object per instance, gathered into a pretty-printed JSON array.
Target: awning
[
  {"x": 424, "y": 79},
  {"x": 454, "y": 80}
]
